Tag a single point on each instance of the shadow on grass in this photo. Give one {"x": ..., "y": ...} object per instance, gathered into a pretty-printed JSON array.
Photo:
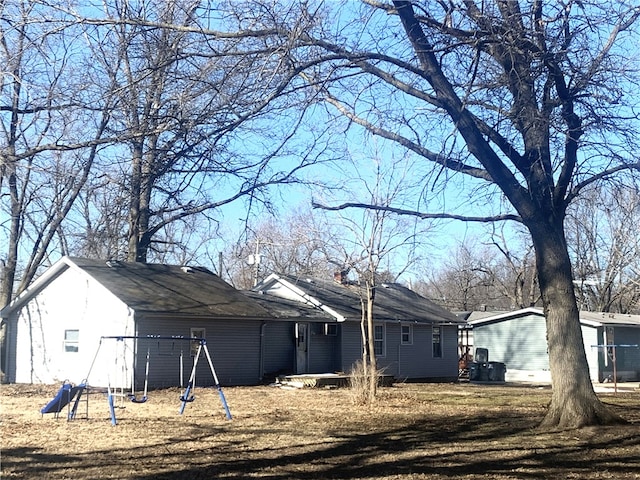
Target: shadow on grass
[
  {"x": 485, "y": 446},
  {"x": 20, "y": 460},
  {"x": 482, "y": 446}
]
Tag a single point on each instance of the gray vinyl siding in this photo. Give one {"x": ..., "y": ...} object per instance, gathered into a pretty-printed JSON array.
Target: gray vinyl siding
[
  {"x": 413, "y": 361},
  {"x": 520, "y": 343},
  {"x": 234, "y": 346},
  {"x": 417, "y": 360},
  {"x": 447, "y": 365},
  {"x": 627, "y": 358},
  {"x": 323, "y": 350},
  {"x": 11, "y": 342},
  {"x": 236, "y": 350},
  {"x": 630, "y": 355},
  {"x": 388, "y": 363},
  {"x": 279, "y": 349},
  {"x": 351, "y": 345}
]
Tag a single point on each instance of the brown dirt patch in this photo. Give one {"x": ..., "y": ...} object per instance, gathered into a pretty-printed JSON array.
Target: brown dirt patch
[{"x": 415, "y": 431}]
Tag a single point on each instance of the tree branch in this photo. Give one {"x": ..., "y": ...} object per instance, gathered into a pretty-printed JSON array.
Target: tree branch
[
  {"x": 421, "y": 215},
  {"x": 575, "y": 191},
  {"x": 447, "y": 162}
]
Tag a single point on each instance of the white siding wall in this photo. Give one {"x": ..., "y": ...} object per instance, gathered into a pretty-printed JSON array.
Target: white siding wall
[{"x": 73, "y": 301}]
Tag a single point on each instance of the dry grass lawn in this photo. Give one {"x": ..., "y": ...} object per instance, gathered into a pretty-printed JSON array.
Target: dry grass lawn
[{"x": 416, "y": 431}]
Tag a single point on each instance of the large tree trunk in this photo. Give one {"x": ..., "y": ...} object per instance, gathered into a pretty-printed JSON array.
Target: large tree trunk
[
  {"x": 573, "y": 402},
  {"x": 139, "y": 206}
]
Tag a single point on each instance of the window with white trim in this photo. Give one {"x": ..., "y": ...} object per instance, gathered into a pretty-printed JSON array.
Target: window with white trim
[
  {"x": 331, "y": 329},
  {"x": 71, "y": 341},
  {"x": 379, "y": 340},
  {"x": 197, "y": 333},
  {"x": 436, "y": 335},
  {"x": 406, "y": 334}
]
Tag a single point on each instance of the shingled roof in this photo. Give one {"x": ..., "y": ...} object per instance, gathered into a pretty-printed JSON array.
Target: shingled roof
[
  {"x": 393, "y": 301},
  {"x": 158, "y": 289}
]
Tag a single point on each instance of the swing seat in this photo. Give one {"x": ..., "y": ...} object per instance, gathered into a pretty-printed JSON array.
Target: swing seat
[
  {"x": 187, "y": 396},
  {"x": 138, "y": 400}
]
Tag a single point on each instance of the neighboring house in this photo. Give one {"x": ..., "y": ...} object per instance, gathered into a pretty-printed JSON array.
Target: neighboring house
[
  {"x": 414, "y": 338},
  {"x": 519, "y": 340},
  {"x": 466, "y": 352},
  {"x": 57, "y": 328}
]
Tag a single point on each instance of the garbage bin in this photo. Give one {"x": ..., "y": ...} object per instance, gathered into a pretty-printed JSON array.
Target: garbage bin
[
  {"x": 484, "y": 372},
  {"x": 478, "y": 372},
  {"x": 496, "y": 371},
  {"x": 474, "y": 371}
]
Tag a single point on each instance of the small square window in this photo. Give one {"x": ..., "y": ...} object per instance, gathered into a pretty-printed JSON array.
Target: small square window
[
  {"x": 196, "y": 333},
  {"x": 406, "y": 334},
  {"x": 71, "y": 341}
]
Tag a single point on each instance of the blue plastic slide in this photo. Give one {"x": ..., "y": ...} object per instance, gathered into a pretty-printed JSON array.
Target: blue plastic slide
[{"x": 65, "y": 395}]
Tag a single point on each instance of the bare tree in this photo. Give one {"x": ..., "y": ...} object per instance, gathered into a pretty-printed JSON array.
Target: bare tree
[
  {"x": 605, "y": 247},
  {"x": 515, "y": 276},
  {"x": 100, "y": 220},
  {"x": 147, "y": 99},
  {"x": 291, "y": 244},
  {"x": 499, "y": 275},
  {"x": 464, "y": 280},
  {"x": 529, "y": 101},
  {"x": 52, "y": 127},
  {"x": 364, "y": 243},
  {"x": 184, "y": 92}
]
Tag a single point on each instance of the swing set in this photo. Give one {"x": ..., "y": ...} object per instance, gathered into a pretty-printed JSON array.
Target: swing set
[{"x": 186, "y": 397}]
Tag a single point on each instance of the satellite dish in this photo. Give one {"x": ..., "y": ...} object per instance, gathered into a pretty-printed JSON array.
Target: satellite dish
[{"x": 254, "y": 259}]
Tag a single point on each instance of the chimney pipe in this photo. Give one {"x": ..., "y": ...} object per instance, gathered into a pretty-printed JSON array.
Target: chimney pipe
[{"x": 340, "y": 276}]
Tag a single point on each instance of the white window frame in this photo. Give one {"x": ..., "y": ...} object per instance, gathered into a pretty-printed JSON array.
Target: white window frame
[
  {"x": 382, "y": 341},
  {"x": 71, "y": 345},
  {"x": 408, "y": 334},
  {"x": 199, "y": 332},
  {"x": 436, "y": 332},
  {"x": 330, "y": 329}
]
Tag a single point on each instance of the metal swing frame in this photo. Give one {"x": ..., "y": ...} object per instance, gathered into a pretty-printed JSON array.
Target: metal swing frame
[{"x": 187, "y": 396}]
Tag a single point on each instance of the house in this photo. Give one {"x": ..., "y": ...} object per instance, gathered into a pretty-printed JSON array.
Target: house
[
  {"x": 414, "y": 338},
  {"x": 465, "y": 336},
  {"x": 518, "y": 339},
  {"x": 56, "y": 327},
  {"x": 100, "y": 321}
]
